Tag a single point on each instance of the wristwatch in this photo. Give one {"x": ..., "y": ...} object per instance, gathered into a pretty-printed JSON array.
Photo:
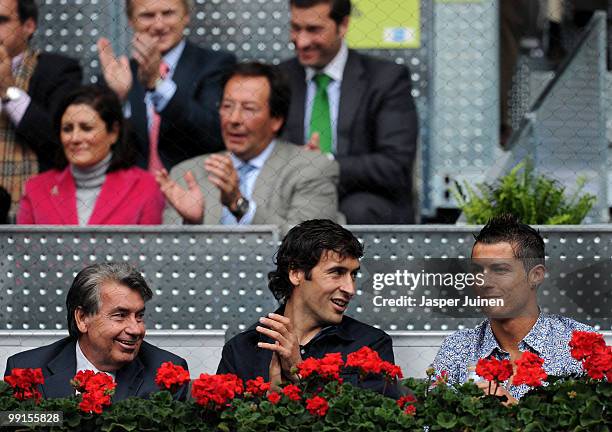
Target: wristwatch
[
  {"x": 242, "y": 207},
  {"x": 12, "y": 93}
]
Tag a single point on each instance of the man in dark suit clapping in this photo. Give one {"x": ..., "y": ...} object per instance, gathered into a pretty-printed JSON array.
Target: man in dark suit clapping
[{"x": 171, "y": 86}]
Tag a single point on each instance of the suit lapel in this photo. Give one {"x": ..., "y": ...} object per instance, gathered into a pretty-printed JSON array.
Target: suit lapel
[
  {"x": 351, "y": 90},
  {"x": 138, "y": 119},
  {"x": 116, "y": 186},
  {"x": 129, "y": 380},
  {"x": 294, "y": 130},
  {"x": 266, "y": 181},
  {"x": 63, "y": 369},
  {"x": 63, "y": 197}
]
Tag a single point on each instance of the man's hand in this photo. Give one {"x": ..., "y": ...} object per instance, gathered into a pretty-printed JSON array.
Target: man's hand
[
  {"x": 501, "y": 391},
  {"x": 275, "y": 374},
  {"x": 188, "y": 203},
  {"x": 116, "y": 70},
  {"x": 148, "y": 56},
  {"x": 6, "y": 71},
  {"x": 313, "y": 142},
  {"x": 286, "y": 345},
  {"x": 225, "y": 177}
]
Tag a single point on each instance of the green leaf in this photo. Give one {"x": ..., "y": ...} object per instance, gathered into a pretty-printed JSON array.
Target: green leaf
[{"x": 446, "y": 420}]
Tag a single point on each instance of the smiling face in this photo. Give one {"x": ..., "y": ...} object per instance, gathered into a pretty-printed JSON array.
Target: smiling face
[
  {"x": 164, "y": 20},
  {"x": 316, "y": 36},
  {"x": 111, "y": 338},
  {"x": 85, "y": 136},
  {"x": 505, "y": 278},
  {"x": 247, "y": 126},
  {"x": 324, "y": 297}
]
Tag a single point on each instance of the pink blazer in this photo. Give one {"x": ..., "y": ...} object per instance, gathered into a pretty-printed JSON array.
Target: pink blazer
[{"x": 128, "y": 197}]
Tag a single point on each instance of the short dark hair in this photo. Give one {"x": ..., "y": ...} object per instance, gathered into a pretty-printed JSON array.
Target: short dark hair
[
  {"x": 302, "y": 249},
  {"x": 527, "y": 243},
  {"x": 27, "y": 9},
  {"x": 84, "y": 292},
  {"x": 129, "y": 7},
  {"x": 280, "y": 92},
  {"x": 340, "y": 9},
  {"x": 106, "y": 103}
]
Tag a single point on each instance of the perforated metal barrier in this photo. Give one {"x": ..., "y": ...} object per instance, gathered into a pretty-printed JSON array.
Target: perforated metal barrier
[{"x": 208, "y": 278}]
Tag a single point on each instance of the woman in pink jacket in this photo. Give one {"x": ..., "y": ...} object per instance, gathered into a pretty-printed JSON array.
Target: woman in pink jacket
[{"x": 96, "y": 182}]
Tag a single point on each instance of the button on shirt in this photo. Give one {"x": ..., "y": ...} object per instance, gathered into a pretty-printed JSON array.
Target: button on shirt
[
  {"x": 548, "y": 338},
  {"x": 335, "y": 70},
  {"x": 248, "y": 184},
  {"x": 242, "y": 356}
]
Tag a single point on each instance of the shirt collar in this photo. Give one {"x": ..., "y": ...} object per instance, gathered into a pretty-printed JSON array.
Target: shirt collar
[
  {"x": 83, "y": 363},
  {"x": 535, "y": 339},
  {"x": 172, "y": 57},
  {"x": 335, "y": 68},
  {"x": 16, "y": 61},
  {"x": 258, "y": 161}
]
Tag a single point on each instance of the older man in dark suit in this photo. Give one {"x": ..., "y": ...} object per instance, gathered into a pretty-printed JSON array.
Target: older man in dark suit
[
  {"x": 361, "y": 110},
  {"x": 106, "y": 305},
  {"x": 171, "y": 85}
]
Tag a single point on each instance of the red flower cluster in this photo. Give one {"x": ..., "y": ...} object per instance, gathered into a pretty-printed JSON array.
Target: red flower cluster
[
  {"x": 257, "y": 387},
  {"x": 327, "y": 368},
  {"x": 274, "y": 398},
  {"x": 96, "y": 390},
  {"x": 529, "y": 370},
  {"x": 216, "y": 391},
  {"x": 405, "y": 403},
  {"x": 591, "y": 349},
  {"x": 317, "y": 406},
  {"x": 292, "y": 392},
  {"x": 441, "y": 379},
  {"x": 494, "y": 370},
  {"x": 25, "y": 383},
  {"x": 171, "y": 377},
  {"x": 584, "y": 343},
  {"x": 369, "y": 362}
]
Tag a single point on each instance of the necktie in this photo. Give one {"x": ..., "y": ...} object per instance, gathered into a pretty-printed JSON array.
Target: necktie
[
  {"x": 155, "y": 162},
  {"x": 320, "y": 120}
]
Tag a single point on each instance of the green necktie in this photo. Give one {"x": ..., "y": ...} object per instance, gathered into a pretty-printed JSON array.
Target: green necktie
[{"x": 320, "y": 120}]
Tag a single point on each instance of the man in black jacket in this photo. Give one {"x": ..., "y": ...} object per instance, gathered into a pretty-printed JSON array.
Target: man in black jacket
[
  {"x": 106, "y": 305},
  {"x": 171, "y": 86},
  {"x": 31, "y": 85}
]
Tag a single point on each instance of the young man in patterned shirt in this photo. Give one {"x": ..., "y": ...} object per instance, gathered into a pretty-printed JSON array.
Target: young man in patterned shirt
[{"x": 511, "y": 256}]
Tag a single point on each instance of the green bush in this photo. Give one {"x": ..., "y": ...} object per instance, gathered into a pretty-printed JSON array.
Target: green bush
[{"x": 534, "y": 199}]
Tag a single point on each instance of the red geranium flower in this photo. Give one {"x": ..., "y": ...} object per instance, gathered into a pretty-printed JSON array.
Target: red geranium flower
[
  {"x": 171, "y": 377},
  {"x": 216, "y": 391},
  {"x": 327, "y": 368},
  {"x": 410, "y": 410},
  {"x": 96, "y": 390},
  {"x": 405, "y": 400},
  {"x": 529, "y": 370},
  {"x": 584, "y": 343},
  {"x": 317, "y": 406},
  {"x": 25, "y": 383},
  {"x": 599, "y": 364},
  {"x": 257, "y": 387},
  {"x": 494, "y": 370},
  {"x": 366, "y": 359},
  {"x": 94, "y": 401},
  {"x": 292, "y": 392},
  {"x": 274, "y": 398}
]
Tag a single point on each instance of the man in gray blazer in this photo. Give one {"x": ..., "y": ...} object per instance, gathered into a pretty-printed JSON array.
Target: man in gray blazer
[
  {"x": 259, "y": 180},
  {"x": 361, "y": 109}
]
